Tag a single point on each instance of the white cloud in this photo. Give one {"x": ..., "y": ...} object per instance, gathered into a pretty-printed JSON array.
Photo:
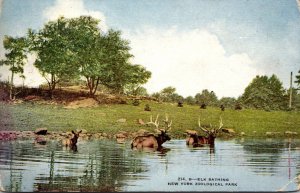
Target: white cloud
[
  {"x": 191, "y": 61},
  {"x": 73, "y": 8}
]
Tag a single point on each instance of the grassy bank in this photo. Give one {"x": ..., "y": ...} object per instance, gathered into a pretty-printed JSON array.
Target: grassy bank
[{"x": 28, "y": 116}]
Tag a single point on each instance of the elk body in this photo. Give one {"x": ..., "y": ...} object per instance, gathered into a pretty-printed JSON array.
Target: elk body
[
  {"x": 195, "y": 140},
  {"x": 150, "y": 140},
  {"x": 73, "y": 141}
]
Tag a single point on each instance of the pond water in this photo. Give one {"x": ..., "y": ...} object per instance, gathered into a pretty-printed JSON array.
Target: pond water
[{"x": 104, "y": 165}]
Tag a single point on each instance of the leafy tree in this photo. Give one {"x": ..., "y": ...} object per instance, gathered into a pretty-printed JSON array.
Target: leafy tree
[
  {"x": 139, "y": 91},
  {"x": 15, "y": 58},
  {"x": 176, "y": 97},
  {"x": 52, "y": 47},
  {"x": 166, "y": 94},
  {"x": 87, "y": 47},
  {"x": 73, "y": 48},
  {"x": 119, "y": 72},
  {"x": 136, "y": 76},
  {"x": 207, "y": 97},
  {"x": 157, "y": 95},
  {"x": 228, "y": 101},
  {"x": 265, "y": 93},
  {"x": 190, "y": 100},
  {"x": 104, "y": 58},
  {"x": 297, "y": 81}
]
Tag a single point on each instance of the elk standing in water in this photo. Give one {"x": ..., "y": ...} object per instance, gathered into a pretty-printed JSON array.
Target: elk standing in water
[
  {"x": 73, "y": 141},
  {"x": 150, "y": 140},
  {"x": 195, "y": 140}
]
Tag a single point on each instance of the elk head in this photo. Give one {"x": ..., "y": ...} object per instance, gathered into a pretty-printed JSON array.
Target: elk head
[
  {"x": 163, "y": 135},
  {"x": 75, "y": 137},
  {"x": 212, "y": 131}
]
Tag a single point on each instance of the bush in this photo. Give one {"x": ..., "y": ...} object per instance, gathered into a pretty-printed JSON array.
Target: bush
[
  {"x": 147, "y": 107},
  {"x": 136, "y": 103}
]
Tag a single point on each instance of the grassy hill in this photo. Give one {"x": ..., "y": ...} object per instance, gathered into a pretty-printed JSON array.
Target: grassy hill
[{"x": 103, "y": 118}]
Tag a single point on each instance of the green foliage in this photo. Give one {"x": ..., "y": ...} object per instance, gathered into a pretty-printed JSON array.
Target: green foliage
[
  {"x": 168, "y": 94},
  {"x": 264, "y": 93},
  {"x": 73, "y": 48},
  {"x": 86, "y": 41},
  {"x": 52, "y": 46},
  {"x": 15, "y": 58},
  {"x": 190, "y": 100},
  {"x": 228, "y": 102},
  {"x": 136, "y": 75},
  {"x": 136, "y": 103},
  {"x": 206, "y": 97},
  {"x": 118, "y": 72},
  {"x": 139, "y": 91},
  {"x": 297, "y": 81}
]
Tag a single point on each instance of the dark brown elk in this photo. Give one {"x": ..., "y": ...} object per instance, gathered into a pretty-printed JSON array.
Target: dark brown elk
[
  {"x": 151, "y": 140},
  {"x": 195, "y": 140},
  {"x": 72, "y": 143}
]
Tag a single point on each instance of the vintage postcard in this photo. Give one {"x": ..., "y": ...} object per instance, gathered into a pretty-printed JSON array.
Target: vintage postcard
[{"x": 160, "y": 95}]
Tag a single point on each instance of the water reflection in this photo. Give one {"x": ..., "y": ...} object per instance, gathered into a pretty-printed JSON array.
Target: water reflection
[
  {"x": 94, "y": 167},
  {"x": 268, "y": 155},
  {"x": 104, "y": 165}
]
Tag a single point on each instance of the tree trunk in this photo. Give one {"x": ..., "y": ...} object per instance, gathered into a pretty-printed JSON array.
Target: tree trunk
[
  {"x": 11, "y": 86},
  {"x": 52, "y": 84},
  {"x": 96, "y": 86},
  {"x": 92, "y": 85}
]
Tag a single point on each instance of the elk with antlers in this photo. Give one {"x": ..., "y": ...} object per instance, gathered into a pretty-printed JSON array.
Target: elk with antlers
[
  {"x": 150, "y": 140},
  {"x": 196, "y": 140}
]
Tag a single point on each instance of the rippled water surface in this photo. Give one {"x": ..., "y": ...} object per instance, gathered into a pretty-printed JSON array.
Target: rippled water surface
[{"x": 104, "y": 165}]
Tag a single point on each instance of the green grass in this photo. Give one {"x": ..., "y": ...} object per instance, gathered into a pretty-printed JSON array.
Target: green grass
[{"x": 29, "y": 116}]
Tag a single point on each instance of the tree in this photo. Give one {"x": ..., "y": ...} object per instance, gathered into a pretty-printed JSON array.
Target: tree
[
  {"x": 190, "y": 100},
  {"x": 137, "y": 75},
  {"x": 73, "y": 48},
  {"x": 297, "y": 81},
  {"x": 140, "y": 91},
  {"x": 119, "y": 72},
  {"x": 104, "y": 58},
  {"x": 207, "y": 97},
  {"x": 15, "y": 58},
  {"x": 166, "y": 93},
  {"x": 52, "y": 47},
  {"x": 87, "y": 47},
  {"x": 264, "y": 93},
  {"x": 228, "y": 101}
]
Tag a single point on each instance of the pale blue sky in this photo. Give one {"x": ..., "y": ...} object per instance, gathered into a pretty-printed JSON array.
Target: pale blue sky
[{"x": 253, "y": 36}]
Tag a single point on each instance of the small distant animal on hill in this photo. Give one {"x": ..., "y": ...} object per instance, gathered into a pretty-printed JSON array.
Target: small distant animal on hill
[
  {"x": 203, "y": 106},
  {"x": 222, "y": 107},
  {"x": 238, "y": 107}
]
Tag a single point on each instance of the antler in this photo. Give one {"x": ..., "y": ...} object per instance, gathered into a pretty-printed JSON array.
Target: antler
[
  {"x": 167, "y": 123},
  {"x": 202, "y": 128},
  {"x": 156, "y": 123},
  {"x": 221, "y": 124}
]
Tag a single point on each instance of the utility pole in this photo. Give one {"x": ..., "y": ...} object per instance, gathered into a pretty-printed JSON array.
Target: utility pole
[{"x": 291, "y": 90}]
